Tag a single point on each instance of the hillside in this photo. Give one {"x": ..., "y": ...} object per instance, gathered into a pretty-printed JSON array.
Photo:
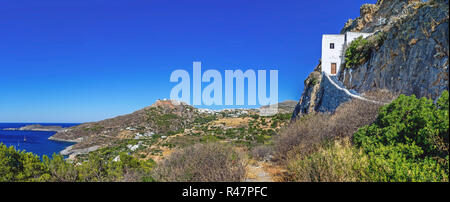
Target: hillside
[
  {"x": 284, "y": 107},
  {"x": 162, "y": 117},
  {"x": 408, "y": 54},
  {"x": 156, "y": 130}
]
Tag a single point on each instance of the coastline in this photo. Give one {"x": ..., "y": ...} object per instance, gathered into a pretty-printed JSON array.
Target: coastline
[
  {"x": 68, "y": 151},
  {"x": 65, "y": 140}
]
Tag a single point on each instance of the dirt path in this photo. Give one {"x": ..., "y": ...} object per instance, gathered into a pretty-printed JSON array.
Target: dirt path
[{"x": 256, "y": 173}]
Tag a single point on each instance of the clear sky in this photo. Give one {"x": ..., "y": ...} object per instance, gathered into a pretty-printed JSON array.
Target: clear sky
[{"x": 87, "y": 60}]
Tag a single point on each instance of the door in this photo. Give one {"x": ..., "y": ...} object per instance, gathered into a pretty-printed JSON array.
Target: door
[{"x": 333, "y": 68}]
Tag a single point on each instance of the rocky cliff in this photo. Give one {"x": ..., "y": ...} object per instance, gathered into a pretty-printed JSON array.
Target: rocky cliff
[{"x": 412, "y": 57}]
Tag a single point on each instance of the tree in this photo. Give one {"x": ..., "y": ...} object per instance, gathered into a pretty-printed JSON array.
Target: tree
[{"x": 19, "y": 166}]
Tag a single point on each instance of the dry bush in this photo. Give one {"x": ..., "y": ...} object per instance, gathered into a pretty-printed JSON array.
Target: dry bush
[
  {"x": 309, "y": 132},
  {"x": 212, "y": 162},
  {"x": 337, "y": 162},
  {"x": 262, "y": 152},
  {"x": 352, "y": 115},
  {"x": 381, "y": 95}
]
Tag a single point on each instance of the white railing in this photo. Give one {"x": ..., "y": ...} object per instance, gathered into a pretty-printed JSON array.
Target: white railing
[{"x": 346, "y": 91}]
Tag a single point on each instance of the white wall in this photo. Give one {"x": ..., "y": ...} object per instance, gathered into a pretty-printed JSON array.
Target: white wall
[
  {"x": 336, "y": 55},
  {"x": 350, "y": 36},
  {"x": 332, "y": 55}
]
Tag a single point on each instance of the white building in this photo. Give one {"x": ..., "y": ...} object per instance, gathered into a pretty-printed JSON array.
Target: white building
[{"x": 333, "y": 49}]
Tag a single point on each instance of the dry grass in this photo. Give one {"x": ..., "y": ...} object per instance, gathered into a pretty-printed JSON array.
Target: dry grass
[
  {"x": 210, "y": 162},
  {"x": 339, "y": 162},
  {"x": 309, "y": 132},
  {"x": 232, "y": 122},
  {"x": 275, "y": 171},
  {"x": 304, "y": 147}
]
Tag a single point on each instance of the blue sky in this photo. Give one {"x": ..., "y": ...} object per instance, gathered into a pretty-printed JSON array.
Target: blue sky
[{"x": 87, "y": 60}]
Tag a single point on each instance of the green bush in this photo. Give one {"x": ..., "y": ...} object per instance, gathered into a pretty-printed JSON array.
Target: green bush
[
  {"x": 360, "y": 49},
  {"x": 204, "y": 120},
  {"x": 59, "y": 169},
  {"x": 126, "y": 168},
  {"x": 408, "y": 141},
  {"x": 19, "y": 165}
]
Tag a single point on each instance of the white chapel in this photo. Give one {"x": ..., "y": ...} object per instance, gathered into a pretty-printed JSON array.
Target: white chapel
[{"x": 333, "y": 49}]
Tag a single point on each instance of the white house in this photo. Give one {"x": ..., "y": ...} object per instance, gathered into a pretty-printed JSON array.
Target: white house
[{"x": 333, "y": 49}]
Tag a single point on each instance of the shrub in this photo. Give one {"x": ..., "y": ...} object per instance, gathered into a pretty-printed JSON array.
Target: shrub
[
  {"x": 274, "y": 124},
  {"x": 336, "y": 162},
  {"x": 360, "y": 49},
  {"x": 261, "y": 152},
  {"x": 212, "y": 162},
  {"x": 19, "y": 166},
  {"x": 313, "y": 79},
  {"x": 308, "y": 130},
  {"x": 22, "y": 166},
  {"x": 59, "y": 169},
  {"x": 126, "y": 168},
  {"x": 311, "y": 130},
  {"x": 408, "y": 141}
]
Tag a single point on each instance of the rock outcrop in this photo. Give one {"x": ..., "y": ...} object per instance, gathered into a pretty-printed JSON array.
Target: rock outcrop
[
  {"x": 307, "y": 102},
  {"x": 381, "y": 16},
  {"x": 38, "y": 127},
  {"x": 413, "y": 58}
]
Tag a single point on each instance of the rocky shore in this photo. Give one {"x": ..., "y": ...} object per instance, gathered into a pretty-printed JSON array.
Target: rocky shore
[{"x": 69, "y": 151}]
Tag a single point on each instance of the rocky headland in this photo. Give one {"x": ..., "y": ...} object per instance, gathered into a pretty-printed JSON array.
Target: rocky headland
[{"x": 38, "y": 127}]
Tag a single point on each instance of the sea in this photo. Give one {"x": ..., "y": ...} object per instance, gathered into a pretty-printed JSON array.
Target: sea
[{"x": 36, "y": 142}]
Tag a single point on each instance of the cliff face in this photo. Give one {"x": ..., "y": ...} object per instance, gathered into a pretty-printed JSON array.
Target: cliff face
[
  {"x": 381, "y": 16},
  {"x": 413, "y": 58},
  {"x": 312, "y": 85}
]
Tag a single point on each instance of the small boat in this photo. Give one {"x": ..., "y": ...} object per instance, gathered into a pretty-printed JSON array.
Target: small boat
[{"x": 24, "y": 138}]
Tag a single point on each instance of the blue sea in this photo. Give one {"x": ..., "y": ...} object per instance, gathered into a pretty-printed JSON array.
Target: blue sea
[{"x": 33, "y": 141}]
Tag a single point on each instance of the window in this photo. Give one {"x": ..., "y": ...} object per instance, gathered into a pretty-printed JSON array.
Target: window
[{"x": 331, "y": 45}]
